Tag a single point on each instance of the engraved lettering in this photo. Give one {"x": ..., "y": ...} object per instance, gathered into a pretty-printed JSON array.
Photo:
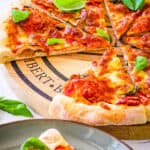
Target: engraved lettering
[
  {"x": 32, "y": 65},
  {"x": 49, "y": 79},
  {"x": 36, "y": 71},
  {"x": 58, "y": 89},
  {"x": 41, "y": 75}
]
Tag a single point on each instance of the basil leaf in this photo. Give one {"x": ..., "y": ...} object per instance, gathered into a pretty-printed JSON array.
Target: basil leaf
[
  {"x": 134, "y": 4},
  {"x": 34, "y": 143},
  {"x": 103, "y": 34},
  {"x": 140, "y": 63},
  {"x": 14, "y": 107},
  {"x": 69, "y": 5},
  {"x": 18, "y": 15},
  {"x": 52, "y": 41},
  {"x": 139, "y": 4}
]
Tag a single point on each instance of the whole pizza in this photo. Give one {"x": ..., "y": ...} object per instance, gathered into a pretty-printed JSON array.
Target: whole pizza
[{"x": 112, "y": 91}]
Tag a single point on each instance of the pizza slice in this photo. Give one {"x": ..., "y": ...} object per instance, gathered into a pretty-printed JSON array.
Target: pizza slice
[
  {"x": 101, "y": 96},
  {"x": 89, "y": 17},
  {"x": 139, "y": 68},
  {"x": 142, "y": 23},
  {"x": 28, "y": 32},
  {"x": 139, "y": 41},
  {"x": 51, "y": 139},
  {"x": 120, "y": 16}
]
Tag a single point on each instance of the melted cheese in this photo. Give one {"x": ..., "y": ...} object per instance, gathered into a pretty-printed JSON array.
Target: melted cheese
[
  {"x": 52, "y": 138},
  {"x": 114, "y": 79},
  {"x": 141, "y": 74},
  {"x": 115, "y": 64}
]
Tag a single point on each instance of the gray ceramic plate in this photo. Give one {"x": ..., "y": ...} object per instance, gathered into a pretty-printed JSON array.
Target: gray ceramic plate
[{"x": 80, "y": 136}]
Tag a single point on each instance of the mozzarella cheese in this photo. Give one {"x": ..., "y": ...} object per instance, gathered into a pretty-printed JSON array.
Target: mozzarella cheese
[{"x": 52, "y": 138}]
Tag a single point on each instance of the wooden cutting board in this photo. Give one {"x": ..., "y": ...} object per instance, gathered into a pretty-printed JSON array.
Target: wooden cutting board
[{"x": 36, "y": 81}]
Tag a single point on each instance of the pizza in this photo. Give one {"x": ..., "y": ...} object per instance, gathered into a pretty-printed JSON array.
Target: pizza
[
  {"x": 116, "y": 88},
  {"x": 141, "y": 24},
  {"x": 140, "y": 76},
  {"x": 139, "y": 41},
  {"x": 51, "y": 139},
  {"x": 89, "y": 18},
  {"x": 131, "y": 27},
  {"x": 35, "y": 33},
  {"x": 107, "y": 94},
  {"x": 120, "y": 16}
]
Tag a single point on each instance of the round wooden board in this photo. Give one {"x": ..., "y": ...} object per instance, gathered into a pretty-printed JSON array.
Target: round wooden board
[{"x": 36, "y": 81}]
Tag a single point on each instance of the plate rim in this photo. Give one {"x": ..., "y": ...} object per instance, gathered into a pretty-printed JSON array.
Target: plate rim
[{"x": 67, "y": 121}]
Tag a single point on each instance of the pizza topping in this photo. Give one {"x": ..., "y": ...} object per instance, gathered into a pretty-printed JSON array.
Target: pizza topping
[
  {"x": 33, "y": 143},
  {"x": 37, "y": 22},
  {"x": 103, "y": 34},
  {"x": 73, "y": 32},
  {"x": 94, "y": 42},
  {"x": 141, "y": 24},
  {"x": 141, "y": 63},
  {"x": 52, "y": 41},
  {"x": 143, "y": 98},
  {"x": 60, "y": 147},
  {"x": 120, "y": 8},
  {"x": 92, "y": 2},
  {"x": 134, "y": 4},
  {"x": 69, "y": 5},
  {"x": 89, "y": 88},
  {"x": 12, "y": 32},
  {"x": 133, "y": 91},
  {"x": 130, "y": 100},
  {"x": 19, "y": 15}
]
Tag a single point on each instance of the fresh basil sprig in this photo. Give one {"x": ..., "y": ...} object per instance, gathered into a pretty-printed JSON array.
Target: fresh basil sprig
[
  {"x": 103, "y": 34},
  {"x": 69, "y": 5},
  {"x": 34, "y": 143},
  {"x": 141, "y": 63},
  {"x": 19, "y": 15},
  {"x": 134, "y": 4},
  {"x": 53, "y": 41},
  {"x": 14, "y": 107}
]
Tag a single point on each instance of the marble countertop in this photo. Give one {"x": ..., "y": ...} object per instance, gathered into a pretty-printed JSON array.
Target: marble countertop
[{"x": 7, "y": 92}]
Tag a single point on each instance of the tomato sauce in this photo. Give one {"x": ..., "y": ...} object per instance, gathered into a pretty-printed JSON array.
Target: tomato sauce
[{"x": 89, "y": 88}]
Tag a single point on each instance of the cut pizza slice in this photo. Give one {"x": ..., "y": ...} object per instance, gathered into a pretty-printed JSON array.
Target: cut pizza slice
[
  {"x": 101, "y": 96},
  {"x": 139, "y": 41},
  {"x": 142, "y": 23},
  {"x": 51, "y": 139},
  {"x": 139, "y": 68},
  {"x": 29, "y": 32},
  {"x": 89, "y": 17},
  {"x": 120, "y": 16}
]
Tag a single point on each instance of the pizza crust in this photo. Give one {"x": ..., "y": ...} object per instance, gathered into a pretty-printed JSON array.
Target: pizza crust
[
  {"x": 65, "y": 108},
  {"x": 29, "y": 52}
]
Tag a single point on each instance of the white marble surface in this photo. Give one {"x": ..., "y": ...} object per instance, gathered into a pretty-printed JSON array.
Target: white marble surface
[{"x": 7, "y": 92}]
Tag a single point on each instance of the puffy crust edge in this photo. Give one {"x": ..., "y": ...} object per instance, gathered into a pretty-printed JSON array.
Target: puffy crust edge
[{"x": 65, "y": 108}]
